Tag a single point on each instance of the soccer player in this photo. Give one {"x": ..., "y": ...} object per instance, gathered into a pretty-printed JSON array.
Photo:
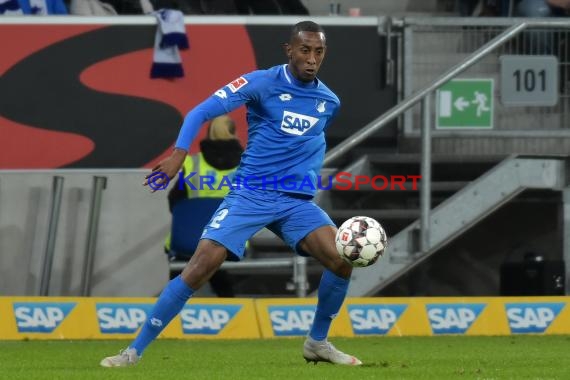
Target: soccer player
[{"x": 288, "y": 111}]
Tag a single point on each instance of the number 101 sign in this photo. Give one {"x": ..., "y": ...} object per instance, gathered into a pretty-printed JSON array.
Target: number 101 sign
[{"x": 529, "y": 80}]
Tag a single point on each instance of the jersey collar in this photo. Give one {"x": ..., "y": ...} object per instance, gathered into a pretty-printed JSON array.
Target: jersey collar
[{"x": 294, "y": 81}]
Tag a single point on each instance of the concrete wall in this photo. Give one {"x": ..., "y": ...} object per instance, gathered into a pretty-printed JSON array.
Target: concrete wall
[{"x": 128, "y": 257}]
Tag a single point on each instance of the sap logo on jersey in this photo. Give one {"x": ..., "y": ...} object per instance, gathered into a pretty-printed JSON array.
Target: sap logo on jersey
[
  {"x": 296, "y": 123},
  {"x": 207, "y": 319},
  {"x": 532, "y": 317},
  {"x": 453, "y": 318},
  {"x": 41, "y": 317},
  {"x": 121, "y": 318},
  {"x": 291, "y": 320},
  {"x": 374, "y": 319}
]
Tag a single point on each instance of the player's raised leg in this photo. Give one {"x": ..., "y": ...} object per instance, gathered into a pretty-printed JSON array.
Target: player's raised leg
[
  {"x": 332, "y": 292},
  {"x": 208, "y": 258}
]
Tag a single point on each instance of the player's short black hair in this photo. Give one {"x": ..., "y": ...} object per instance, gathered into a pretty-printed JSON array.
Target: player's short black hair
[{"x": 306, "y": 26}]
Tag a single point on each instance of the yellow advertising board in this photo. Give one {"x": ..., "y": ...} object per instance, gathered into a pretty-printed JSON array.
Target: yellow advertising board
[
  {"x": 421, "y": 316},
  {"x": 121, "y": 318},
  {"x": 458, "y": 316},
  {"x": 240, "y": 318},
  {"x": 288, "y": 317}
]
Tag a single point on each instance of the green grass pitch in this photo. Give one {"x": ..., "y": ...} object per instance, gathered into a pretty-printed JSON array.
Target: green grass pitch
[{"x": 443, "y": 357}]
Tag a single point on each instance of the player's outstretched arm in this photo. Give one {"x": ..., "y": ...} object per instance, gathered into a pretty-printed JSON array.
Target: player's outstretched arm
[{"x": 162, "y": 173}]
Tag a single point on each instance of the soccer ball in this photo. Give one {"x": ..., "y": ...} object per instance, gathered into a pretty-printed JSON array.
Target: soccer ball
[{"x": 360, "y": 241}]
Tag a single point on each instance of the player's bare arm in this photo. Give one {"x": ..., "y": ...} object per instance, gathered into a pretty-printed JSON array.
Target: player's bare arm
[{"x": 169, "y": 166}]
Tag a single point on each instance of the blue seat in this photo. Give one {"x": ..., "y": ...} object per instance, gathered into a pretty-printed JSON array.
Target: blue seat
[{"x": 189, "y": 217}]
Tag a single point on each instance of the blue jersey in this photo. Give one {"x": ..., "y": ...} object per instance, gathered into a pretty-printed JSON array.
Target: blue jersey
[{"x": 287, "y": 119}]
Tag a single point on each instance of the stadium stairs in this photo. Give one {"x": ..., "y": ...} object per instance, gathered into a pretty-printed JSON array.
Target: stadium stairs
[{"x": 465, "y": 190}]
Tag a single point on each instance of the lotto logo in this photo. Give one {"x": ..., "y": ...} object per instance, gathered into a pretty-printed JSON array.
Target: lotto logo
[
  {"x": 453, "y": 318},
  {"x": 291, "y": 320},
  {"x": 41, "y": 317},
  {"x": 296, "y": 123},
  {"x": 121, "y": 318},
  {"x": 532, "y": 317},
  {"x": 207, "y": 319},
  {"x": 374, "y": 319},
  {"x": 237, "y": 84}
]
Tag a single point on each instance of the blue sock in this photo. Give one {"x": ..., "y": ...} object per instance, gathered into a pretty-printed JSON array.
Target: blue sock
[
  {"x": 171, "y": 301},
  {"x": 332, "y": 291}
]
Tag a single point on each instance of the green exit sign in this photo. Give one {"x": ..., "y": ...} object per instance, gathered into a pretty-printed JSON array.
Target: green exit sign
[{"x": 465, "y": 104}]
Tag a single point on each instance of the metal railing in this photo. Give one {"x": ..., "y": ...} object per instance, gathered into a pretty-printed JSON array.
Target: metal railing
[
  {"x": 99, "y": 184},
  {"x": 92, "y": 227},
  {"x": 300, "y": 281},
  {"x": 57, "y": 188},
  {"x": 432, "y": 44},
  {"x": 423, "y": 96}
]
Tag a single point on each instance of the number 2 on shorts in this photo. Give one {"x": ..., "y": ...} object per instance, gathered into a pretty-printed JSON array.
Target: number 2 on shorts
[{"x": 215, "y": 223}]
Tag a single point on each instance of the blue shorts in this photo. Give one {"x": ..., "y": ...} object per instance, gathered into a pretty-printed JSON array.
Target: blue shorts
[{"x": 244, "y": 212}]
